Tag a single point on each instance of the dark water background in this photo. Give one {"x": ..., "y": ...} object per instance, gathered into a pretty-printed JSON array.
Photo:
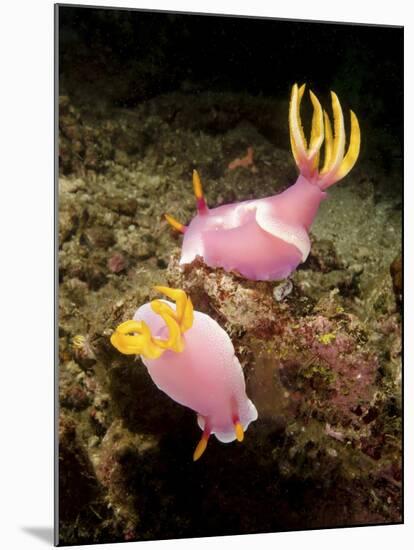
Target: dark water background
[{"x": 127, "y": 56}]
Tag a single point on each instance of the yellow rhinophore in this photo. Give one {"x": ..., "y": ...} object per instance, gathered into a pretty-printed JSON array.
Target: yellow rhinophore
[
  {"x": 178, "y": 226},
  {"x": 201, "y": 447},
  {"x": 336, "y": 164},
  {"x": 238, "y": 429},
  {"x": 197, "y": 187},
  {"x": 198, "y": 192},
  {"x": 135, "y": 338}
]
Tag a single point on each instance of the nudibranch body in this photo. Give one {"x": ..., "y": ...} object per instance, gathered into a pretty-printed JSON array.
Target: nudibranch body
[
  {"x": 191, "y": 359},
  {"x": 266, "y": 239}
]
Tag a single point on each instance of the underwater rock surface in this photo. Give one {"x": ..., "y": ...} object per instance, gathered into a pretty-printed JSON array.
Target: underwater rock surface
[{"x": 322, "y": 363}]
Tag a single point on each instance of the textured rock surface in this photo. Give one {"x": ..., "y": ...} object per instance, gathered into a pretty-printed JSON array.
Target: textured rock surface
[
  {"x": 146, "y": 98},
  {"x": 322, "y": 361}
]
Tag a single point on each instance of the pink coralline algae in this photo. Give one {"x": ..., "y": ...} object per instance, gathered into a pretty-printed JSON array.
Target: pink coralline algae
[
  {"x": 245, "y": 162},
  {"x": 117, "y": 263},
  {"x": 266, "y": 239},
  {"x": 353, "y": 368}
]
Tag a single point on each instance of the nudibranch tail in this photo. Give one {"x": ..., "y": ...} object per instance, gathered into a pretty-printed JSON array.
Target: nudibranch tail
[
  {"x": 135, "y": 338},
  {"x": 178, "y": 226},
  {"x": 198, "y": 192},
  {"x": 336, "y": 166}
]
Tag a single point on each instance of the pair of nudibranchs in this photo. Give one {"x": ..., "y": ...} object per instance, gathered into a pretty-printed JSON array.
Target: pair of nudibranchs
[{"x": 187, "y": 354}]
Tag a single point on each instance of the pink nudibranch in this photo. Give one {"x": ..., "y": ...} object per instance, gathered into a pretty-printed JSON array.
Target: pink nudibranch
[
  {"x": 191, "y": 359},
  {"x": 266, "y": 239}
]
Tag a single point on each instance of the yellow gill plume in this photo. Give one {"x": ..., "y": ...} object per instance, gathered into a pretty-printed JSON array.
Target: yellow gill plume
[
  {"x": 336, "y": 165},
  {"x": 135, "y": 338}
]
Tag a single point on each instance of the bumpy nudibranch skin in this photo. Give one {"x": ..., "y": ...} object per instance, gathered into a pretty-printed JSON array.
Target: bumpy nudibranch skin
[
  {"x": 191, "y": 359},
  {"x": 266, "y": 239}
]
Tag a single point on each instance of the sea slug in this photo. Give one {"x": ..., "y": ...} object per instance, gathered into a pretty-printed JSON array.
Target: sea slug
[
  {"x": 266, "y": 239},
  {"x": 191, "y": 359}
]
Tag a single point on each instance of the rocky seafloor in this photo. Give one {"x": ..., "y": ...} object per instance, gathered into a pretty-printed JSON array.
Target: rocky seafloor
[{"x": 321, "y": 355}]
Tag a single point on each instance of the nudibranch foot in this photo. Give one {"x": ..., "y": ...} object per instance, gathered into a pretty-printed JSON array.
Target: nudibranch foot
[
  {"x": 266, "y": 239},
  {"x": 192, "y": 359}
]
